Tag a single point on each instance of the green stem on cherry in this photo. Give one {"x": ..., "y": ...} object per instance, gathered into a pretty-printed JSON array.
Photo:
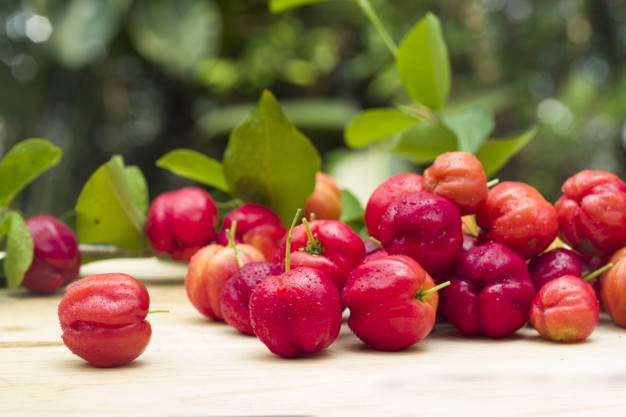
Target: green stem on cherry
[
  {"x": 369, "y": 11},
  {"x": 592, "y": 275},
  {"x": 158, "y": 311},
  {"x": 378, "y": 242},
  {"x": 231, "y": 242},
  {"x": 493, "y": 182},
  {"x": 289, "y": 235},
  {"x": 313, "y": 247},
  {"x": 421, "y": 294}
]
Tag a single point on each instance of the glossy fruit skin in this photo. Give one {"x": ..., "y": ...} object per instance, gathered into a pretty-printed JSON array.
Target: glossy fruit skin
[
  {"x": 325, "y": 202},
  {"x": 296, "y": 312},
  {"x": 592, "y": 212},
  {"x": 554, "y": 264},
  {"x": 257, "y": 225},
  {"x": 565, "y": 309},
  {"x": 490, "y": 292},
  {"x": 459, "y": 177},
  {"x": 386, "y": 193},
  {"x": 181, "y": 222},
  {"x": 343, "y": 249},
  {"x": 425, "y": 227},
  {"x": 613, "y": 288},
  {"x": 516, "y": 215},
  {"x": 56, "y": 258},
  {"x": 235, "y": 296},
  {"x": 384, "y": 311},
  {"x": 208, "y": 271},
  {"x": 103, "y": 319}
]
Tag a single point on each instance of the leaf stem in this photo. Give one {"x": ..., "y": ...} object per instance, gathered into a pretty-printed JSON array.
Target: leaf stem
[
  {"x": 493, "y": 183},
  {"x": 592, "y": 275},
  {"x": 158, "y": 311},
  {"x": 231, "y": 242},
  {"x": 289, "y": 235},
  {"x": 369, "y": 11}
]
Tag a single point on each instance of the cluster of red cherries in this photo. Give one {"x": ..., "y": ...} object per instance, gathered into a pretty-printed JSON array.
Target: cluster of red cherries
[{"x": 486, "y": 259}]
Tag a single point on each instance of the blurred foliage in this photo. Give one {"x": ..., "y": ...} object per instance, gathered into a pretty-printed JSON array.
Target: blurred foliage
[{"x": 141, "y": 78}]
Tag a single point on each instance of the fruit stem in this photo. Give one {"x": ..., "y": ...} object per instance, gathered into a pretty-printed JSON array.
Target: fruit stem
[
  {"x": 231, "y": 242},
  {"x": 421, "y": 294},
  {"x": 493, "y": 182},
  {"x": 592, "y": 275},
  {"x": 289, "y": 235},
  {"x": 378, "y": 242},
  {"x": 158, "y": 311},
  {"x": 313, "y": 247}
]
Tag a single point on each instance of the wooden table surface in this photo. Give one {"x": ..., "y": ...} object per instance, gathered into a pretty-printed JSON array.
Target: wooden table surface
[{"x": 197, "y": 367}]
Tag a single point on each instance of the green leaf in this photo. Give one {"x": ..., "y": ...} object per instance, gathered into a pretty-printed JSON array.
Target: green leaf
[
  {"x": 196, "y": 166},
  {"x": 178, "y": 35},
  {"x": 268, "y": 161},
  {"x": 471, "y": 127},
  {"x": 81, "y": 29},
  {"x": 112, "y": 205},
  {"x": 23, "y": 163},
  {"x": 423, "y": 63},
  {"x": 19, "y": 248},
  {"x": 277, "y": 6},
  {"x": 424, "y": 141},
  {"x": 375, "y": 124},
  {"x": 495, "y": 153},
  {"x": 351, "y": 208}
]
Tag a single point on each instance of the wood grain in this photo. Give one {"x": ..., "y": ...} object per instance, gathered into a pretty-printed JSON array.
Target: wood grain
[{"x": 197, "y": 367}]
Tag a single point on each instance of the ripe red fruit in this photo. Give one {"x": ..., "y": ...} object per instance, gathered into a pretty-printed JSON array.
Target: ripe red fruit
[
  {"x": 386, "y": 193},
  {"x": 296, "y": 312},
  {"x": 257, "y": 225},
  {"x": 425, "y": 227},
  {"x": 181, "y": 222},
  {"x": 554, "y": 264},
  {"x": 565, "y": 309},
  {"x": 490, "y": 292},
  {"x": 592, "y": 212},
  {"x": 459, "y": 177},
  {"x": 325, "y": 202},
  {"x": 103, "y": 319},
  {"x": 333, "y": 247},
  {"x": 208, "y": 271},
  {"x": 235, "y": 296},
  {"x": 388, "y": 308},
  {"x": 56, "y": 258},
  {"x": 613, "y": 288},
  {"x": 516, "y": 215}
]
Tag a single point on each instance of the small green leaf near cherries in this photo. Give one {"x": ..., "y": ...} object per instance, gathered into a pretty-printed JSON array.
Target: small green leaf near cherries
[{"x": 19, "y": 248}]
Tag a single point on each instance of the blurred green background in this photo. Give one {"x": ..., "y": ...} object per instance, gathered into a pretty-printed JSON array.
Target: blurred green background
[{"x": 140, "y": 78}]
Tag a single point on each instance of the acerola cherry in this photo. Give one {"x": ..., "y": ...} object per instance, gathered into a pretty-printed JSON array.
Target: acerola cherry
[
  {"x": 425, "y": 227},
  {"x": 181, "y": 222},
  {"x": 490, "y": 292},
  {"x": 554, "y": 264},
  {"x": 103, "y": 318},
  {"x": 459, "y": 177},
  {"x": 613, "y": 288},
  {"x": 565, "y": 309},
  {"x": 386, "y": 193},
  {"x": 325, "y": 202},
  {"x": 56, "y": 258},
  {"x": 257, "y": 225},
  {"x": 235, "y": 296},
  {"x": 516, "y": 215},
  {"x": 592, "y": 212},
  {"x": 391, "y": 303}
]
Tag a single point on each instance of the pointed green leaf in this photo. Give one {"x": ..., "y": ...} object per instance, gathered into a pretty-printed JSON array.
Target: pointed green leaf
[
  {"x": 424, "y": 141},
  {"x": 471, "y": 127},
  {"x": 495, "y": 153},
  {"x": 351, "y": 208},
  {"x": 277, "y": 6},
  {"x": 196, "y": 166},
  {"x": 19, "y": 248},
  {"x": 268, "y": 161},
  {"x": 23, "y": 163},
  {"x": 423, "y": 63},
  {"x": 375, "y": 124},
  {"x": 112, "y": 205}
]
